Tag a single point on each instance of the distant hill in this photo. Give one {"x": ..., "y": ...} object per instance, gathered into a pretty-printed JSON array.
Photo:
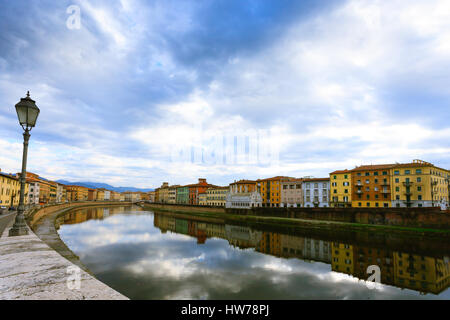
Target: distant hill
[{"x": 97, "y": 185}]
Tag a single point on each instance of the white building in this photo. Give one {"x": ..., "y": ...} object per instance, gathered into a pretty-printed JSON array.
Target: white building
[
  {"x": 316, "y": 192},
  {"x": 33, "y": 192},
  {"x": 59, "y": 193},
  {"x": 244, "y": 200},
  {"x": 107, "y": 195}
]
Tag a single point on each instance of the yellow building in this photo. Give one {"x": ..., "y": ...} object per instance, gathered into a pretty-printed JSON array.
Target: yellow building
[
  {"x": 76, "y": 193},
  {"x": 163, "y": 193},
  {"x": 202, "y": 199},
  {"x": 216, "y": 196},
  {"x": 341, "y": 188},
  {"x": 342, "y": 258},
  {"x": 270, "y": 190},
  {"x": 421, "y": 273},
  {"x": 171, "y": 194},
  {"x": 10, "y": 190},
  {"x": 100, "y": 196},
  {"x": 419, "y": 184}
]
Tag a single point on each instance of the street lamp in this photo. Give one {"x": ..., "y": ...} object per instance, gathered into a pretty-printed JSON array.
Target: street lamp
[{"x": 27, "y": 112}]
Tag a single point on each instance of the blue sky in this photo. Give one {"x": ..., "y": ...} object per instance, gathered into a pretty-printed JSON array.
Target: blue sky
[{"x": 334, "y": 84}]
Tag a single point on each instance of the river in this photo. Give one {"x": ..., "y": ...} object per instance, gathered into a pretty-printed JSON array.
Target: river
[{"x": 147, "y": 255}]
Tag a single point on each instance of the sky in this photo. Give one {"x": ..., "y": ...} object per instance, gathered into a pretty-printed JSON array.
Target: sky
[{"x": 134, "y": 93}]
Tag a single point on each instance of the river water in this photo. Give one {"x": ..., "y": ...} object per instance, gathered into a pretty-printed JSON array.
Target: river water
[{"x": 146, "y": 255}]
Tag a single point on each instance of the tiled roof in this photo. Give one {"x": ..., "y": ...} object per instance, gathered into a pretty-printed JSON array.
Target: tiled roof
[
  {"x": 374, "y": 167},
  {"x": 316, "y": 179},
  {"x": 341, "y": 171},
  {"x": 243, "y": 182},
  {"x": 276, "y": 178}
]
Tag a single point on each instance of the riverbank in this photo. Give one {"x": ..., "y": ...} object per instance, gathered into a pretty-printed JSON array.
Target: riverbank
[
  {"x": 30, "y": 269},
  {"x": 221, "y": 213}
]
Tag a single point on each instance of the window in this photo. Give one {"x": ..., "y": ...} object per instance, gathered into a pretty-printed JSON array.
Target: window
[
  {"x": 396, "y": 172},
  {"x": 407, "y": 171},
  {"x": 418, "y": 171},
  {"x": 334, "y": 177},
  {"x": 384, "y": 173},
  {"x": 368, "y": 204},
  {"x": 367, "y": 174},
  {"x": 419, "y": 179},
  {"x": 397, "y": 189},
  {"x": 375, "y": 173},
  {"x": 397, "y": 180},
  {"x": 419, "y": 197},
  {"x": 345, "y": 176},
  {"x": 419, "y": 188}
]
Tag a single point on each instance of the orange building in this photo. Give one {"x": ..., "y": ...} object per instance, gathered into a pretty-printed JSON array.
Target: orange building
[
  {"x": 196, "y": 189},
  {"x": 371, "y": 186},
  {"x": 243, "y": 186},
  {"x": 270, "y": 190}
]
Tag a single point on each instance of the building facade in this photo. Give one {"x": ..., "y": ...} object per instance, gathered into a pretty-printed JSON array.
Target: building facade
[
  {"x": 316, "y": 192},
  {"x": 10, "y": 191},
  {"x": 372, "y": 186},
  {"x": 196, "y": 189},
  {"x": 341, "y": 189},
  {"x": 217, "y": 196},
  {"x": 270, "y": 190},
  {"x": 419, "y": 184},
  {"x": 183, "y": 195},
  {"x": 202, "y": 199},
  {"x": 291, "y": 193}
]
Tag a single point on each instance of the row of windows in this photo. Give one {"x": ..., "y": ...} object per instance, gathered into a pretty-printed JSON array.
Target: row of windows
[
  {"x": 385, "y": 205},
  {"x": 384, "y": 173},
  {"x": 407, "y": 171},
  {"x": 316, "y": 185},
  {"x": 345, "y": 184}
]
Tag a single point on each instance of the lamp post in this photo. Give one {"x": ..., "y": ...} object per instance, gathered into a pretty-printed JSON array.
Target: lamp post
[{"x": 27, "y": 112}]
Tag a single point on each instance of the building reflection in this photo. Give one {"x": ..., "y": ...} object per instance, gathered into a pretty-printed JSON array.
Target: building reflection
[
  {"x": 80, "y": 216},
  {"x": 420, "y": 273},
  {"x": 426, "y": 274}
]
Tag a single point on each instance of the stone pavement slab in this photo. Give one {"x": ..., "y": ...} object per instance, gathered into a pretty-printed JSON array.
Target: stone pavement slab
[{"x": 31, "y": 270}]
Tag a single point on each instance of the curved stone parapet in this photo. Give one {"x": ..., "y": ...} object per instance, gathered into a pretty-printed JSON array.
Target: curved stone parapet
[{"x": 32, "y": 270}]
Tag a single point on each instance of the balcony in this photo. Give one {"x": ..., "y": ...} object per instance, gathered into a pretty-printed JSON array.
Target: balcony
[
  {"x": 407, "y": 193},
  {"x": 385, "y": 183},
  {"x": 408, "y": 183},
  {"x": 359, "y": 191},
  {"x": 358, "y": 184},
  {"x": 385, "y": 191}
]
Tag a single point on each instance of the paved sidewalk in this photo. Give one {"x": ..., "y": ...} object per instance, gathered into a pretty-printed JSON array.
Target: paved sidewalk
[
  {"x": 31, "y": 270},
  {"x": 6, "y": 220}
]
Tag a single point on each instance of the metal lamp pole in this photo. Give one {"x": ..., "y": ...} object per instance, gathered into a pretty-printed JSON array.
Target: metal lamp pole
[{"x": 27, "y": 111}]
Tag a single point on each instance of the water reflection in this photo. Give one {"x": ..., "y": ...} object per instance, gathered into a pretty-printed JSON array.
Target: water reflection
[{"x": 159, "y": 256}]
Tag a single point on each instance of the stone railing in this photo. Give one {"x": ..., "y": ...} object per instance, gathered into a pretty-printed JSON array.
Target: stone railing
[{"x": 36, "y": 213}]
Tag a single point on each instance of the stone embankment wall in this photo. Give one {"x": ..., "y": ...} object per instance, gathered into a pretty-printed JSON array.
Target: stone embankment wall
[
  {"x": 403, "y": 217},
  {"x": 432, "y": 218},
  {"x": 35, "y": 214}
]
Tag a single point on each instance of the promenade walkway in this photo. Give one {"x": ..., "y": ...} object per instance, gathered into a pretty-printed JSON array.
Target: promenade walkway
[
  {"x": 31, "y": 270},
  {"x": 5, "y": 220}
]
